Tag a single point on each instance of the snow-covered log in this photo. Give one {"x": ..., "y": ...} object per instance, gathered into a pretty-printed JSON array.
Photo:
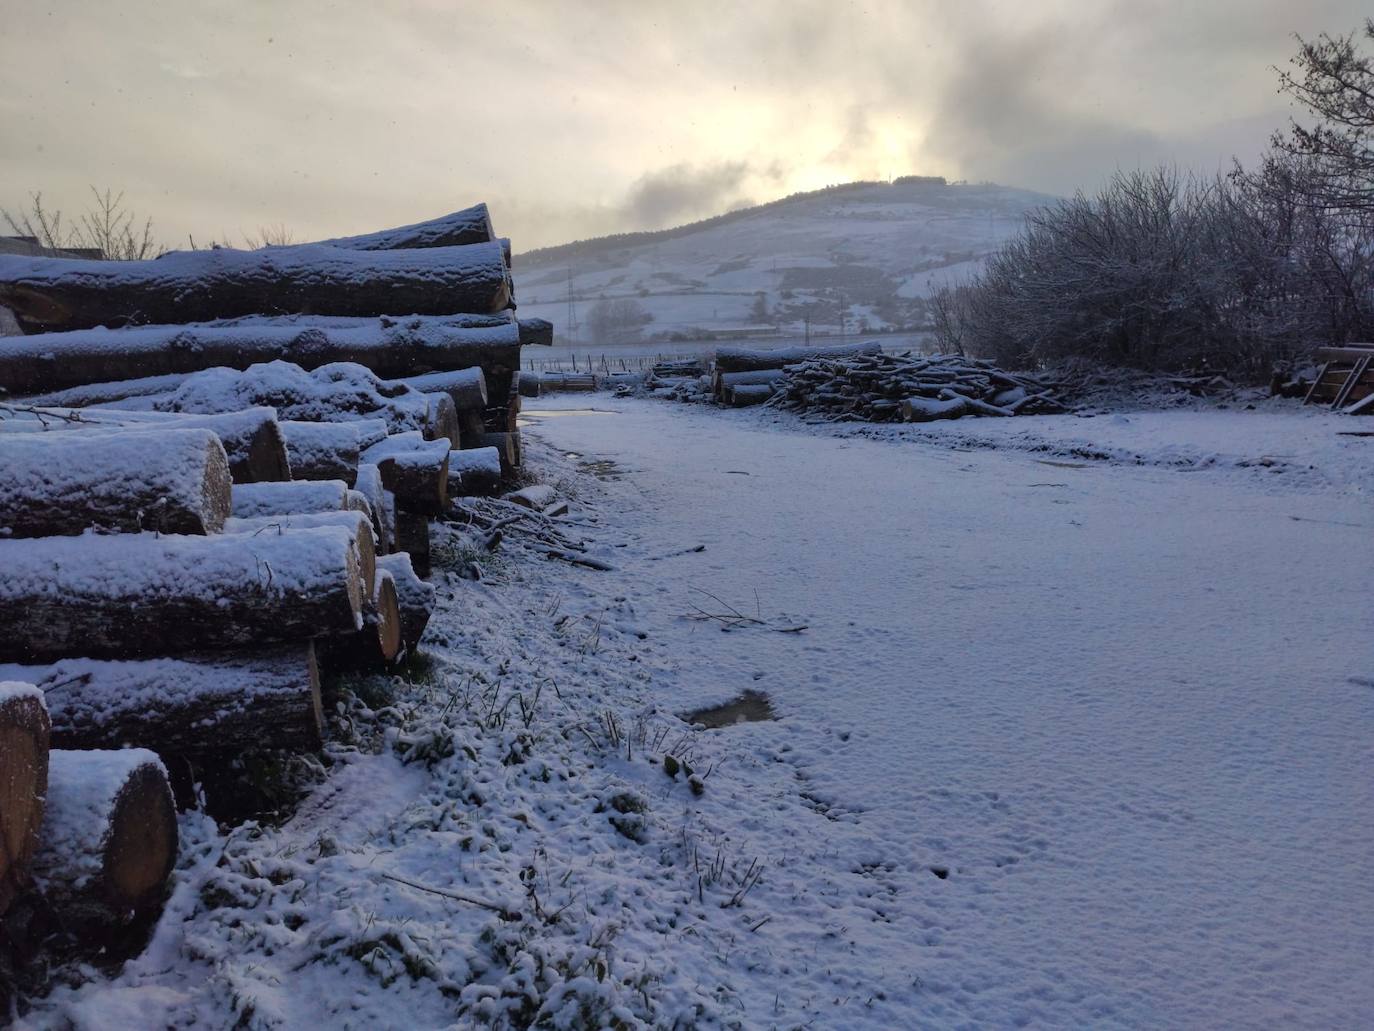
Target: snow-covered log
[
  {"x": 441, "y": 419},
  {"x": 747, "y": 359},
  {"x": 322, "y": 450},
  {"x": 471, "y": 225},
  {"x": 746, "y": 394},
  {"x": 23, "y": 781},
  {"x": 359, "y": 524},
  {"x": 369, "y": 485},
  {"x": 66, "y": 483},
  {"x": 190, "y": 705},
  {"x": 252, "y": 438},
  {"x": 390, "y": 347},
  {"x": 136, "y": 595},
  {"x": 925, "y": 409},
  {"x": 193, "y": 286},
  {"x": 476, "y": 471},
  {"x": 536, "y": 332},
  {"x": 377, "y": 644},
  {"x": 290, "y": 498},
  {"x": 537, "y": 496},
  {"x": 109, "y": 838},
  {"x": 414, "y": 597},
  {"x": 553, "y": 382},
  {"x": 467, "y": 387},
  {"x": 414, "y": 469}
]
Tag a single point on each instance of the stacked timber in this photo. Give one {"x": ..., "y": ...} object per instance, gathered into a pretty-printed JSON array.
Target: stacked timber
[
  {"x": 217, "y": 471},
  {"x": 533, "y": 384},
  {"x": 743, "y": 367},
  {"x": 894, "y": 388}
]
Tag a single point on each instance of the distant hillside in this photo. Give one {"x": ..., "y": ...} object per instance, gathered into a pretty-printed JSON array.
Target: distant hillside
[{"x": 867, "y": 253}]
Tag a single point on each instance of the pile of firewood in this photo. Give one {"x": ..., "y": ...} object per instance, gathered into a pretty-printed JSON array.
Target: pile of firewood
[
  {"x": 910, "y": 388},
  {"x": 745, "y": 376},
  {"x": 207, "y": 498}
]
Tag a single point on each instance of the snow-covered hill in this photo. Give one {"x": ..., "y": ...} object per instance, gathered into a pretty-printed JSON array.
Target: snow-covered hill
[{"x": 865, "y": 252}]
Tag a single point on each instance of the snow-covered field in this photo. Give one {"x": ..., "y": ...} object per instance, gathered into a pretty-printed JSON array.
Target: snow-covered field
[{"x": 1080, "y": 732}]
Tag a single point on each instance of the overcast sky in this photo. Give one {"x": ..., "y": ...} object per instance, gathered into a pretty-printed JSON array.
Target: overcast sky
[{"x": 217, "y": 117}]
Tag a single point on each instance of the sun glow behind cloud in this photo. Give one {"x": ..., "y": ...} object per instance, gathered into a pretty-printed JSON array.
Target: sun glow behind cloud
[{"x": 580, "y": 119}]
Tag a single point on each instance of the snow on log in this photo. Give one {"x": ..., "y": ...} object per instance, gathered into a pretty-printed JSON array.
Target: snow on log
[
  {"x": 359, "y": 524},
  {"x": 745, "y": 359},
  {"x": 471, "y": 225},
  {"x": 441, "y": 422},
  {"x": 109, "y": 837},
  {"x": 378, "y": 643},
  {"x": 747, "y": 394},
  {"x": 190, "y": 705},
  {"x": 290, "y": 498},
  {"x": 369, "y": 485},
  {"x": 412, "y": 539},
  {"x": 322, "y": 450},
  {"x": 415, "y": 599},
  {"x": 252, "y": 438},
  {"x": 66, "y": 483},
  {"x": 136, "y": 595},
  {"x": 536, "y": 332},
  {"x": 23, "y": 781},
  {"x": 193, "y": 286},
  {"x": 474, "y": 472},
  {"x": 414, "y": 469},
  {"x": 356, "y": 501},
  {"x": 926, "y": 409},
  {"x": 467, "y": 387},
  {"x": 537, "y": 496},
  {"x": 388, "y": 346}
]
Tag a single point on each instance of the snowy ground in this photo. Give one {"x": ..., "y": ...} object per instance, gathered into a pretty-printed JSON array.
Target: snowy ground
[{"x": 1067, "y": 742}]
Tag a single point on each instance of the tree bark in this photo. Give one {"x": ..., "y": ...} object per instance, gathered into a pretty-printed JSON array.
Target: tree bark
[
  {"x": 467, "y": 387},
  {"x": 414, "y": 469},
  {"x": 359, "y": 524},
  {"x": 252, "y": 438},
  {"x": 390, "y": 347},
  {"x": 471, "y": 225},
  {"x": 294, "y": 497},
  {"x": 66, "y": 483},
  {"x": 190, "y": 705},
  {"x": 415, "y": 599},
  {"x": 109, "y": 838},
  {"x": 745, "y": 359},
  {"x": 24, "y": 742},
  {"x": 322, "y": 450},
  {"x": 476, "y": 471},
  {"x": 536, "y": 332},
  {"x": 137, "y": 595},
  {"x": 48, "y": 294}
]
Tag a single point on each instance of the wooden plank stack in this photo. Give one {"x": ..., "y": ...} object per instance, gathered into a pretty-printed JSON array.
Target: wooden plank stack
[
  {"x": 876, "y": 387},
  {"x": 1345, "y": 380},
  {"x": 197, "y": 517}
]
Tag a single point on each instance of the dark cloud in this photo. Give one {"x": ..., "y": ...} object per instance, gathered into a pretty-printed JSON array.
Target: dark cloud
[{"x": 683, "y": 192}]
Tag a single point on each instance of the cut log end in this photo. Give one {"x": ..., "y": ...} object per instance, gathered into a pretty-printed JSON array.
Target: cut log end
[
  {"x": 109, "y": 839},
  {"x": 142, "y": 846},
  {"x": 24, "y": 733}
]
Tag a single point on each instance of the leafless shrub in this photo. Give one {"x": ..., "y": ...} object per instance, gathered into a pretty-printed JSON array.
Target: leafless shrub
[{"x": 107, "y": 225}]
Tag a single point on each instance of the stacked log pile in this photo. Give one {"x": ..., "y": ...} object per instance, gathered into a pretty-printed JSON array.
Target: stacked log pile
[
  {"x": 197, "y": 519},
  {"x": 909, "y": 388},
  {"x": 747, "y": 376}
]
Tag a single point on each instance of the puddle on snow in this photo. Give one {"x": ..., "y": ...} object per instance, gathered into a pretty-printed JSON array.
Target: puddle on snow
[
  {"x": 558, "y": 413},
  {"x": 750, "y": 707},
  {"x": 601, "y": 468}
]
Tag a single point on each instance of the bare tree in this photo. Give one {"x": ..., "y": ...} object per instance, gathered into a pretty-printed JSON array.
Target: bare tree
[
  {"x": 617, "y": 321},
  {"x": 1334, "y": 80},
  {"x": 106, "y": 226}
]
